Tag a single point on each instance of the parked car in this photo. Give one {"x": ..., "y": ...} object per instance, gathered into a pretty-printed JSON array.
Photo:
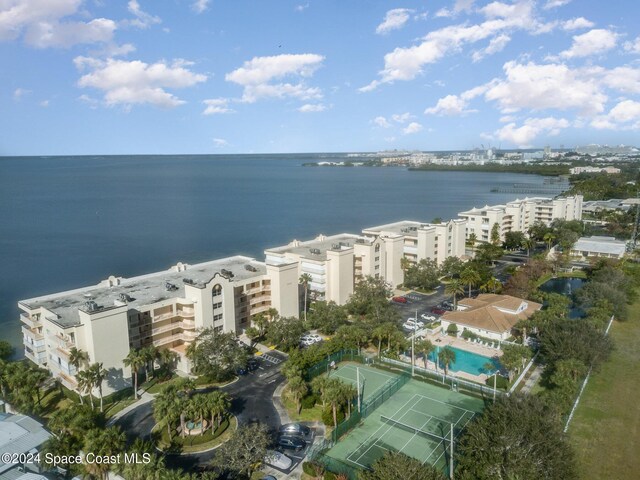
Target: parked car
[
  {"x": 278, "y": 460},
  {"x": 291, "y": 442},
  {"x": 295, "y": 429},
  {"x": 438, "y": 311},
  {"x": 252, "y": 364},
  {"x": 310, "y": 339},
  {"x": 417, "y": 322},
  {"x": 399, "y": 299},
  {"x": 428, "y": 318},
  {"x": 409, "y": 326},
  {"x": 269, "y": 477}
]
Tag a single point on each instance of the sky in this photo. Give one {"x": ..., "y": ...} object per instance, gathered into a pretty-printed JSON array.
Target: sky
[{"x": 278, "y": 76}]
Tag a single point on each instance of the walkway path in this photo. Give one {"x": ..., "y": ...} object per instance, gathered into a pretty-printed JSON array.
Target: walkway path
[
  {"x": 533, "y": 379},
  {"x": 144, "y": 399}
]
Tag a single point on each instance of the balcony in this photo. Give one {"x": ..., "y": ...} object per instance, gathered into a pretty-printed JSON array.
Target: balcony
[
  {"x": 263, "y": 298},
  {"x": 37, "y": 359},
  {"x": 68, "y": 381},
  {"x": 63, "y": 354},
  {"x": 163, "y": 316},
  {"x": 169, "y": 339},
  {"x": 173, "y": 326},
  {"x": 64, "y": 342},
  {"x": 30, "y": 322},
  {"x": 186, "y": 312},
  {"x": 32, "y": 334}
]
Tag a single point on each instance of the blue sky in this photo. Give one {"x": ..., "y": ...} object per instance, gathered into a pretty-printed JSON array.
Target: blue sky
[{"x": 236, "y": 76}]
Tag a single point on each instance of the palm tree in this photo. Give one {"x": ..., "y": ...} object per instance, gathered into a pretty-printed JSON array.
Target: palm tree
[
  {"x": 103, "y": 442},
  {"x": 334, "y": 394},
  {"x": 166, "y": 408},
  {"x": 218, "y": 404},
  {"x": 425, "y": 347},
  {"x": 77, "y": 357},
  {"x": 85, "y": 384},
  {"x": 167, "y": 359},
  {"x": 405, "y": 264},
  {"x": 97, "y": 375},
  {"x": 469, "y": 276},
  {"x": 492, "y": 285},
  {"x": 134, "y": 360},
  {"x": 528, "y": 243},
  {"x": 149, "y": 355},
  {"x": 349, "y": 392},
  {"x": 446, "y": 356},
  {"x": 379, "y": 334},
  {"x": 473, "y": 238},
  {"x": 454, "y": 288},
  {"x": 319, "y": 386},
  {"x": 305, "y": 279},
  {"x": 198, "y": 408},
  {"x": 549, "y": 237},
  {"x": 297, "y": 388}
]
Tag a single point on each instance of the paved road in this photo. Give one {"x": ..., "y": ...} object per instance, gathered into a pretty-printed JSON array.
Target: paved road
[{"x": 252, "y": 402}]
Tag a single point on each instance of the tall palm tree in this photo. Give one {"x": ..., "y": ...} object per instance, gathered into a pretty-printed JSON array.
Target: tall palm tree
[
  {"x": 218, "y": 405},
  {"x": 405, "y": 264},
  {"x": 473, "y": 238},
  {"x": 166, "y": 408},
  {"x": 493, "y": 285},
  {"x": 319, "y": 386},
  {"x": 425, "y": 347},
  {"x": 470, "y": 276},
  {"x": 97, "y": 374},
  {"x": 454, "y": 288},
  {"x": 103, "y": 442},
  {"x": 297, "y": 388},
  {"x": 446, "y": 356},
  {"x": 334, "y": 394},
  {"x": 349, "y": 392},
  {"x": 85, "y": 384},
  {"x": 305, "y": 279},
  {"x": 134, "y": 360},
  {"x": 528, "y": 243},
  {"x": 149, "y": 355},
  {"x": 78, "y": 357},
  {"x": 198, "y": 408},
  {"x": 167, "y": 357},
  {"x": 549, "y": 237}
]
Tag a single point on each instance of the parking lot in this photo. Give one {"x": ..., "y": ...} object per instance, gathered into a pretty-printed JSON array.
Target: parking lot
[
  {"x": 420, "y": 303},
  {"x": 296, "y": 457}
]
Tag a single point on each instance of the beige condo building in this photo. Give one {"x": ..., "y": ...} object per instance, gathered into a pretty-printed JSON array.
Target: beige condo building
[
  {"x": 520, "y": 215},
  {"x": 166, "y": 309}
]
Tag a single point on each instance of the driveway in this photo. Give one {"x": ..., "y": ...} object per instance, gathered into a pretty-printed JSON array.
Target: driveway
[{"x": 251, "y": 402}]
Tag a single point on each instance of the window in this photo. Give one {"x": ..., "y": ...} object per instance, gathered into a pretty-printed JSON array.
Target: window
[
  {"x": 377, "y": 248},
  {"x": 217, "y": 305},
  {"x": 217, "y": 317},
  {"x": 217, "y": 290},
  {"x": 377, "y": 267},
  {"x": 377, "y": 259}
]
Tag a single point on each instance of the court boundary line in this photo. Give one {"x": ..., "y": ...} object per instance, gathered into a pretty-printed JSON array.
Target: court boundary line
[{"x": 367, "y": 369}]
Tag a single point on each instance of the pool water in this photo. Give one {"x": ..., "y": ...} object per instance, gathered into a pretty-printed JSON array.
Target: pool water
[{"x": 468, "y": 362}]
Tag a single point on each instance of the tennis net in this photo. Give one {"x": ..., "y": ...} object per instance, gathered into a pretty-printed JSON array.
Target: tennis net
[{"x": 417, "y": 431}]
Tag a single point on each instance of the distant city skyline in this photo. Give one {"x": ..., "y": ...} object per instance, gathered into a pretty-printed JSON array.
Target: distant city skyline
[{"x": 204, "y": 77}]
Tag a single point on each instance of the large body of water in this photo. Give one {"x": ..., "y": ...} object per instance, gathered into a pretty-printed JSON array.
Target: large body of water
[{"x": 67, "y": 222}]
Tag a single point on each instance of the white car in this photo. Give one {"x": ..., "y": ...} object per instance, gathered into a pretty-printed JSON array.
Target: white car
[
  {"x": 278, "y": 460},
  {"x": 428, "y": 318},
  {"x": 310, "y": 339},
  {"x": 409, "y": 326},
  {"x": 417, "y": 322}
]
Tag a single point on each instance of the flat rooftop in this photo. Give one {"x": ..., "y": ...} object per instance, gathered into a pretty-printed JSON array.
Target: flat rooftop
[
  {"x": 404, "y": 227},
  {"x": 608, "y": 245},
  {"x": 317, "y": 248},
  {"x": 19, "y": 434},
  {"x": 145, "y": 289}
]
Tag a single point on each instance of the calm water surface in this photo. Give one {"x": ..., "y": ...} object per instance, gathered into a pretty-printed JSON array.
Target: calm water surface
[{"x": 67, "y": 222}]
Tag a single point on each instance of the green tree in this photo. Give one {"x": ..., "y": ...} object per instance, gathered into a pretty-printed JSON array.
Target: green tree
[
  {"x": 470, "y": 277},
  {"x": 472, "y": 239},
  {"x": 351, "y": 336},
  {"x": 103, "y": 442},
  {"x": 528, "y": 244},
  {"x": 134, "y": 360},
  {"x": 495, "y": 234},
  {"x": 513, "y": 240},
  {"x": 298, "y": 388},
  {"x": 327, "y": 317},
  {"x": 97, "y": 375},
  {"x": 514, "y": 358},
  {"x": 85, "y": 384},
  {"x": 199, "y": 408},
  {"x": 244, "y": 451},
  {"x": 261, "y": 322},
  {"x": 451, "y": 267},
  {"x": 334, "y": 396},
  {"x": 6, "y": 350},
  {"x": 447, "y": 356},
  {"x": 383, "y": 332},
  {"x": 454, "y": 288},
  {"x": 423, "y": 275},
  {"x": 370, "y": 297},
  {"x": 493, "y": 285},
  {"x": 149, "y": 355},
  {"x": 304, "y": 280},
  {"x": 549, "y": 237},
  {"x": 216, "y": 355},
  {"x": 398, "y": 466},
  {"x": 319, "y": 385},
  {"x": 518, "y": 437},
  {"x": 286, "y": 332},
  {"x": 424, "y": 347}
]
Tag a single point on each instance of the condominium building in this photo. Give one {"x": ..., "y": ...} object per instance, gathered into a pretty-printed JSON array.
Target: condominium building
[
  {"x": 520, "y": 215},
  {"x": 336, "y": 263},
  {"x": 435, "y": 241},
  {"x": 166, "y": 309}
]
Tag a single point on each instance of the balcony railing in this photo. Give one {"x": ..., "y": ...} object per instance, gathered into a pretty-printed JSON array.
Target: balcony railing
[
  {"x": 186, "y": 312},
  {"x": 163, "y": 316},
  {"x": 32, "y": 323},
  {"x": 169, "y": 339},
  {"x": 37, "y": 359},
  {"x": 34, "y": 334},
  {"x": 173, "y": 326}
]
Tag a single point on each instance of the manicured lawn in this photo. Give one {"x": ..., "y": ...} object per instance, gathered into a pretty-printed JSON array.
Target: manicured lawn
[
  {"x": 605, "y": 430},
  {"x": 306, "y": 414},
  {"x": 198, "y": 443}
]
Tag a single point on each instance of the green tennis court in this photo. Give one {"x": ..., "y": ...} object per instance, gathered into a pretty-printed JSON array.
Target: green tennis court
[
  {"x": 371, "y": 380},
  {"x": 417, "y": 421}
]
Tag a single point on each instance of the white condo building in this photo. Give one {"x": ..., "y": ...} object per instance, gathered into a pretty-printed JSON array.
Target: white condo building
[
  {"x": 519, "y": 215},
  {"x": 166, "y": 309},
  {"x": 336, "y": 263}
]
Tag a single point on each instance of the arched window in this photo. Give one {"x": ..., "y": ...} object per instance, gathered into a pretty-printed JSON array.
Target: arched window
[{"x": 217, "y": 290}]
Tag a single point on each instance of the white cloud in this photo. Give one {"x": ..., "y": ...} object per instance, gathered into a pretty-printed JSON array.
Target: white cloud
[
  {"x": 256, "y": 74},
  {"x": 459, "y": 6},
  {"x": 496, "y": 45},
  {"x": 524, "y": 135},
  {"x": 312, "y": 107},
  {"x": 624, "y": 79},
  {"x": 401, "y": 117},
  {"x": 454, "y": 105},
  {"x": 407, "y": 62},
  {"x": 549, "y": 86},
  {"x": 199, "y": 6},
  {"x": 135, "y": 82},
  {"x": 577, "y": 24},
  {"x": 18, "y": 93},
  {"x": 633, "y": 47},
  {"x": 394, "y": 20},
  {"x": 143, "y": 19},
  {"x": 591, "y": 43},
  {"x": 619, "y": 117},
  {"x": 220, "y": 142},
  {"x": 92, "y": 102},
  {"x": 555, "y": 4},
  {"x": 301, "y": 7},
  {"x": 67, "y": 34},
  {"x": 413, "y": 127},
  {"x": 381, "y": 122},
  {"x": 216, "y": 106},
  {"x": 44, "y": 103}
]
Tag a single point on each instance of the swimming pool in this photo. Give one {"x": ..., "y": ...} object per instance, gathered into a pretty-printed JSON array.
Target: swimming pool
[{"x": 467, "y": 361}]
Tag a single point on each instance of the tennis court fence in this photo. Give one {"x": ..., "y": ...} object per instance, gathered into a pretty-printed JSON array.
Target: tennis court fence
[{"x": 341, "y": 356}]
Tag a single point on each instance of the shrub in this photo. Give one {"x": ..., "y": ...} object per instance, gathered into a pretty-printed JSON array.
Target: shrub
[
  {"x": 329, "y": 476},
  {"x": 309, "y": 468},
  {"x": 309, "y": 401},
  {"x": 327, "y": 416},
  {"x": 502, "y": 383},
  {"x": 452, "y": 329},
  {"x": 468, "y": 335}
]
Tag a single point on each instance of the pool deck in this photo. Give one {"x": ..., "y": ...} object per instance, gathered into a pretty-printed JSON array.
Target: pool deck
[{"x": 440, "y": 340}]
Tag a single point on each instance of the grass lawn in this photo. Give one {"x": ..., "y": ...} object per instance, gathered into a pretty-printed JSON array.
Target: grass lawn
[
  {"x": 605, "y": 430},
  {"x": 198, "y": 443},
  {"x": 306, "y": 414},
  {"x": 53, "y": 401}
]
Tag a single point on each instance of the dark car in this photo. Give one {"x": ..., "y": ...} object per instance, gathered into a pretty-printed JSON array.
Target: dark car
[
  {"x": 291, "y": 442},
  {"x": 253, "y": 364},
  {"x": 399, "y": 299},
  {"x": 295, "y": 429},
  {"x": 438, "y": 311}
]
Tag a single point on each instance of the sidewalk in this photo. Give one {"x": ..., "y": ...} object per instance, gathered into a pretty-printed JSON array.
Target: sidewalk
[
  {"x": 533, "y": 379},
  {"x": 144, "y": 399}
]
